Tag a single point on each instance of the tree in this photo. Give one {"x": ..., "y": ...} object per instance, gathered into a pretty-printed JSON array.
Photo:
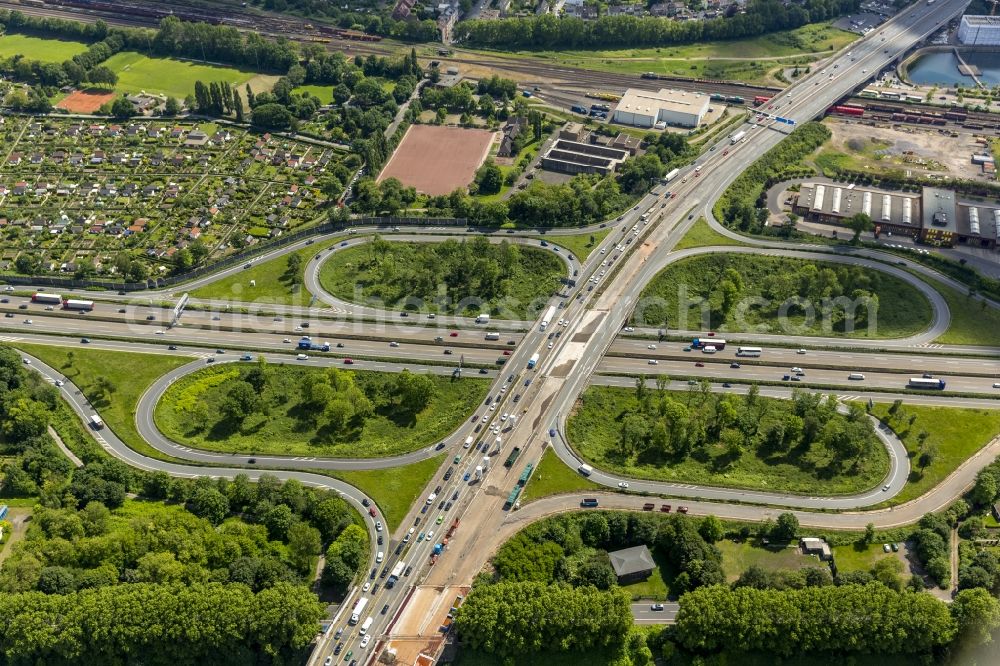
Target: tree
[
  {"x": 786, "y": 527},
  {"x": 489, "y": 178},
  {"x": 977, "y": 614},
  {"x": 859, "y": 223},
  {"x": 172, "y": 107},
  {"x": 25, "y": 419},
  {"x": 303, "y": 546},
  {"x": 869, "y": 536},
  {"x": 711, "y": 529},
  {"x": 210, "y": 504},
  {"x": 985, "y": 490},
  {"x": 271, "y": 117},
  {"x": 241, "y": 401},
  {"x": 414, "y": 391},
  {"x": 278, "y": 521}
]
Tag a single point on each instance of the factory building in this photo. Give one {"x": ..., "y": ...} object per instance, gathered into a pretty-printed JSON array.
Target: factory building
[
  {"x": 979, "y": 31},
  {"x": 934, "y": 217},
  {"x": 674, "y": 108}
]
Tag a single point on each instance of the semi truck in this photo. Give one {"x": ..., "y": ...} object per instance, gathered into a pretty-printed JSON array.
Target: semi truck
[
  {"x": 50, "y": 299},
  {"x": 533, "y": 361},
  {"x": 307, "y": 343},
  {"x": 671, "y": 175},
  {"x": 394, "y": 575},
  {"x": 359, "y": 608},
  {"x": 550, "y": 314},
  {"x": 737, "y": 137},
  {"x": 512, "y": 458},
  {"x": 76, "y": 304}
]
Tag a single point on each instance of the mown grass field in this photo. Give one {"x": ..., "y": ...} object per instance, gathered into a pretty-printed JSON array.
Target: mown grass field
[
  {"x": 737, "y": 557},
  {"x": 858, "y": 556},
  {"x": 285, "y": 427},
  {"x": 902, "y": 310},
  {"x": 273, "y": 283},
  {"x": 579, "y": 244},
  {"x": 169, "y": 76},
  {"x": 324, "y": 93},
  {"x": 37, "y": 48},
  {"x": 955, "y": 433},
  {"x": 130, "y": 373},
  {"x": 702, "y": 235},
  {"x": 395, "y": 489},
  {"x": 553, "y": 477},
  {"x": 971, "y": 323},
  {"x": 594, "y": 431}
]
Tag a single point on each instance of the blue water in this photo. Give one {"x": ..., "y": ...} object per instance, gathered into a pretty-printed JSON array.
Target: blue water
[{"x": 942, "y": 69}]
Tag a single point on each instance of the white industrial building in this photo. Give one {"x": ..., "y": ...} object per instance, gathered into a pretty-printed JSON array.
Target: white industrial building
[
  {"x": 677, "y": 108},
  {"x": 979, "y": 30}
]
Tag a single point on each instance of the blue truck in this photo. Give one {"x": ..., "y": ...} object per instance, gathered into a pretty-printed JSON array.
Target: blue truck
[
  {"x": 307, "y": 343},
  {"x": 579, "y": 109}
]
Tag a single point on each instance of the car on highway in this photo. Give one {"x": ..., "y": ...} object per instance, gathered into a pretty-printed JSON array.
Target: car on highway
[
  {"x": 734, "y": 365},
  {"x": 682, "y": 509},
  {"x": 650, "y": 346},
  {"x": 84, "y": 341},
  {"x": 623, "y": 485},
  {"x": 431, "y": 498},
  {"x": 726, "y": 385},
  {"x": 367, "y": 586},
  {"x": 656, "y": 607},
  {"x": 393, "y": 344},
  {"x": 699, "y": 364},
  {"x": 378, "y": 525},
  {"x": 385, "y": 609},
  {"x": 336, "y": 650},
  {"x": 366, "y": 640},
  {"x": 440, "y": 519},
  {"x": 348, "y": 361},
  {"x": 453, "y": 334},
  {"x": 302, "y": 357},
  {"x": 652, "y": 361}
]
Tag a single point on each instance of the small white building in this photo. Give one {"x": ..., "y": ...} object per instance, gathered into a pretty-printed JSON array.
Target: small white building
[{"x": 678, "y": 108}]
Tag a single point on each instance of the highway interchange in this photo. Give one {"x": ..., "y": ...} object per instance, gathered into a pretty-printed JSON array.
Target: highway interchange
[{"x": 590, "y": 349}]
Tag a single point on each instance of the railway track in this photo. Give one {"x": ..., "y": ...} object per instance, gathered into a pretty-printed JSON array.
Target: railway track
[{"x": 273, "y": 25}]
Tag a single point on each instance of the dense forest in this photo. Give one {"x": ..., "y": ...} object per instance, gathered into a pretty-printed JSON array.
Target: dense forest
[
  {"x": 739, "y": 292},
  {"x": 452, "y": 276},
  {"x": 240, "y": 552},
  {"x": 552, "y": 32}
]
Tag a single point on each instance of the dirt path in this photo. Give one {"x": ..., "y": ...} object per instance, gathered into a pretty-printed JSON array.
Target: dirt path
[
  {"x": 18, "y": 517},
  {"x": 954, "y": 560},
  {"x": 65, "y": 449}
]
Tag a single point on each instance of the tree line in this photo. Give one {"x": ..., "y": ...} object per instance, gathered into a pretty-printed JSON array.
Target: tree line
[
  {"x": 740, "y": 205},
  {"x": 551, "y": 32},
  {"x": 866, "y": 619},
  {"x": 512, "y": 619},
  {"x": 167, "y": 624}
]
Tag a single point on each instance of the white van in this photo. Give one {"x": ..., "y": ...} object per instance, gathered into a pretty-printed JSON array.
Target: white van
[
  {"x": 709, "y": 349},
  {"x": 366, "y": 626},
  {"x": 586, "y": 470},
  {"x": 379, "y": 557},
  {"x": 857, "y": 376},
  {"x": 468, "y": 442}
]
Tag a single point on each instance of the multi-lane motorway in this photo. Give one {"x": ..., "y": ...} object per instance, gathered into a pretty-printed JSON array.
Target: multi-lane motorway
[{"x": 592, "y": 316}]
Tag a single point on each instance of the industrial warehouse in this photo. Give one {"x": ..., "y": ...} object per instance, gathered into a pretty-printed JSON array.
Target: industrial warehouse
[
  {"x": 934, "y": 216},
  {"x": 673, "y": 108}
]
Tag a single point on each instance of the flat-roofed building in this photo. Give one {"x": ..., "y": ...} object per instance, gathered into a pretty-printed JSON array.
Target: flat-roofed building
[
  {"x": 979, "y": 30},
  {"x": 834, "y": 202},
  {"x": 940, "y": 217},
  {"x": 676, "y": 108}
]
